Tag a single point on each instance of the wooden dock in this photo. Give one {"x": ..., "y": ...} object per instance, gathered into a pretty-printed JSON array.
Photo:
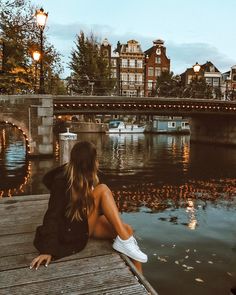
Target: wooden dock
[{"x": 98, "y": 269}]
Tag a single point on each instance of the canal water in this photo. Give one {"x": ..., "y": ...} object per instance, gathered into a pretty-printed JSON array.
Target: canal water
[{"x": 179, "y": 197}]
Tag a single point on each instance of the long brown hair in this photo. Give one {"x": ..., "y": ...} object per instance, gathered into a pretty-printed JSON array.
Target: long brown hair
[{"x": 81, "y": 172}]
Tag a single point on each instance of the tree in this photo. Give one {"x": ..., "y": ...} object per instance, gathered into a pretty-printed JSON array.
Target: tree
[
  {"x": 20, "y": 36},
  {"x": 90, "y": 69},
  {"x": 168, "y": 85}
]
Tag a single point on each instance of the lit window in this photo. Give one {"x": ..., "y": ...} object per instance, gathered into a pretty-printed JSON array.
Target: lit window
[{"x": 150, "y": 83}]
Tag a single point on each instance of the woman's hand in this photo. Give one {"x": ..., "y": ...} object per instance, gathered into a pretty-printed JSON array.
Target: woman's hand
[{"x": 39, "y": 259}]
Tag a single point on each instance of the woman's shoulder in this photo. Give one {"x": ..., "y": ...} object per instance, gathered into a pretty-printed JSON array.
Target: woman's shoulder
[{"x": 101, "y": 187}]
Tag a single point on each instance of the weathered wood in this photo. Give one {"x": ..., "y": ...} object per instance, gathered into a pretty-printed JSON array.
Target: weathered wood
[
  {"x": 97, "y": 283},
  {"x": 14, "y": 200},
  {"x": 98, "y": 269},
  {"x": 28, "y": 252}
]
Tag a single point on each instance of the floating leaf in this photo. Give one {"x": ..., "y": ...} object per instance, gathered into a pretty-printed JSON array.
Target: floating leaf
[
  {"x": 190, "y": 267},
  {"x": 173, "y": 246},
  {"x": 176, "y": 262},
  {"x": 229, "y": 273},
  {"x": 184, "y": 265},
  {"x": 210, "y": 262},
  {"x": 186, "y": 257},
  {"x": 194, "y": 250},
  {"x": 187, "y": 250},
  {"x": 155, "y": 254},
  {"x": 197, "y": 261},
  {"x": 199, "y": 280}
]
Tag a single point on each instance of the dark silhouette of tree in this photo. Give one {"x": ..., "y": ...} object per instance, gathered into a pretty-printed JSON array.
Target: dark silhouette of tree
[
  {"x": 91, "y": 72},
  {"x": 20, "y": 37}
]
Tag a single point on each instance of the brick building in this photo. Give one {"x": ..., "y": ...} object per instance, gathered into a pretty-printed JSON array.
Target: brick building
[
  {"x": 130, "y": 68},
  {"x": 156, "y": 62}
]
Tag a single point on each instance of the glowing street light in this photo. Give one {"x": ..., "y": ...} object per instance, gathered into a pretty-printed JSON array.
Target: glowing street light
[
  {"x": 41, "y": 19},
  {"x": 196, "y": 68},
  {"x": 36, "y": 56}
]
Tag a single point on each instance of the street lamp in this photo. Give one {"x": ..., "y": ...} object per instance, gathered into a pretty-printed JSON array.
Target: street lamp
[
  {"x": 36, "y": 58},
  {"x": 196, "y": 69},
  {"x": 41, "y": 19}
]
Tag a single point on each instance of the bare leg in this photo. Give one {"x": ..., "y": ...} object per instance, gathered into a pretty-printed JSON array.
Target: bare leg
[
  {"x": 108, "y": 226},
  {"x": 105, "y": 202}
]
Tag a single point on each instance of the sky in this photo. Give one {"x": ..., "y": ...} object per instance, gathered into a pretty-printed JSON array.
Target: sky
[{"x": 193, "y": 30}]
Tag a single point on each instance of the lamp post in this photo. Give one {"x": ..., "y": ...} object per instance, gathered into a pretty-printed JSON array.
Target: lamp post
[
  {"x": 41, "y": 19},
  {"x": 146, "y": 58},
  {"x": 36, "y": 58},
  {"x": 196, "y": 69}
]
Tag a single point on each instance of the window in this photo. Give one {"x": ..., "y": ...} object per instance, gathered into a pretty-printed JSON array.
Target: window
[
  {"x": 113, "y": 73},
  {"x": 209, "y": 81},
  {"x": 139, "y": 63},
  {"x": 139, "y": 78},
  {"x": 185, "y": 125},
  {"x": 124, "y": 63},
  {"x": 124, "y": 78},
  {"x": 171, "y": 124},
  {"x": 234, "y": 78},
  {"x": 216, "y": 82},
  {"x": 132, "y": 63},
  {"x": 157, "y": 71},
  {"x": 131, "y": 78},
  {"x": 150, "y": 84},
  {"x": 113, "y": 62},
  {"x": 150, "y": 71},
  {"x": 158, "y": 60}
]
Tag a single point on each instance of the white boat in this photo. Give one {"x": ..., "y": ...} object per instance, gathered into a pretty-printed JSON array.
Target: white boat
[{"x": 121, "y": 127}]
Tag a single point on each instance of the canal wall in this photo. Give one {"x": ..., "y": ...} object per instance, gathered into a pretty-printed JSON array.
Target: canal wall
[{"x": 33, "y": 115}]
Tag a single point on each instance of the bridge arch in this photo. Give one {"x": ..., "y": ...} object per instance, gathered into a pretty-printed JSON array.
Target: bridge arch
[{"x": 20, "y": 126}]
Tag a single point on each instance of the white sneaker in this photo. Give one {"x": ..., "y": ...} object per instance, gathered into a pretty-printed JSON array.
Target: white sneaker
[{"x": 130, "y": 248}]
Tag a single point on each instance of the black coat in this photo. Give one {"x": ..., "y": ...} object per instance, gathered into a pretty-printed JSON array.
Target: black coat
[{"x": 58, "y": 236}]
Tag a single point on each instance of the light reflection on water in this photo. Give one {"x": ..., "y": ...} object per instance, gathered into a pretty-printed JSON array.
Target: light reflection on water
[{"x": 180, "y": 198}]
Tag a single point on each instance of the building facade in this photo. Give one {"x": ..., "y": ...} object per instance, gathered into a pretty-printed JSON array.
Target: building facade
[
  {"x": 229, "y": 83},
  {"x": 208, "y": 71},
  {"x": 130, "y": 68},
  {"x": 156, "y": 62}
]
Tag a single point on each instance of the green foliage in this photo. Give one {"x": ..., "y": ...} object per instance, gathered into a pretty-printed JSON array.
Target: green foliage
[
  {"x": 90, "y": 69},
  {"x": 168, "y": 85},
  {"x": 20, "y": 36}
]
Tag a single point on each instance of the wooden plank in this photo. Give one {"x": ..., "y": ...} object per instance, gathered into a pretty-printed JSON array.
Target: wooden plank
[
  {"x": 103, "y": 282},
  {"x": 136, "y": 289},
  {"x": 58, "y": 270},
  {"x": 19, "y": 199},
  {"x": 138, "y": 275},
  {"x": 18, "y": 260}
]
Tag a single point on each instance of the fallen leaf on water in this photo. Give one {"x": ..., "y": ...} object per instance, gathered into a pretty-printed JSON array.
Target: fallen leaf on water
[
  {"x": 184, "y": 265},
  {"x": 161, "y": 259},
  {"x": 186, "y": 257},
  {"x": 197, "y": 261},
  {"x": 199, "y": 280},
  {"x": 155, "y": 254},
  {"x": 190, "y": 267},
  {"x": 194, "y": 250},
  {"x": 229, "y": 273},
  {"x": 162, "y": 245},
  {"x": 176, "y": 262},
  {"x": 210, "y": 262},
  {"x": 173, "y": 246},
  {"x": 187, "y": 250}
]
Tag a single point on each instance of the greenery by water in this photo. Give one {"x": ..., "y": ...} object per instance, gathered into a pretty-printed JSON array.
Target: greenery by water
[{"x": 179, "y": 197}]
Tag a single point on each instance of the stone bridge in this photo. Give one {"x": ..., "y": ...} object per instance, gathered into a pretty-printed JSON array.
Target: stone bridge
[
  {"x": 211, "y": 121},
  {"x": 33, "y": 115}
]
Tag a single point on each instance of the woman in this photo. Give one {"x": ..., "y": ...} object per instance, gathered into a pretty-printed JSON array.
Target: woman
[{"x": 80, "y": 207}]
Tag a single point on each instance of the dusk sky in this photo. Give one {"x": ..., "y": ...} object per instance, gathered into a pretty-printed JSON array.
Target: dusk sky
[{"x": 193, "y": 30}]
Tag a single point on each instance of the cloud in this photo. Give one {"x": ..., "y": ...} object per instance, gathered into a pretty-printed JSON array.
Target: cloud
[{"x": 182, "y": 55}]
